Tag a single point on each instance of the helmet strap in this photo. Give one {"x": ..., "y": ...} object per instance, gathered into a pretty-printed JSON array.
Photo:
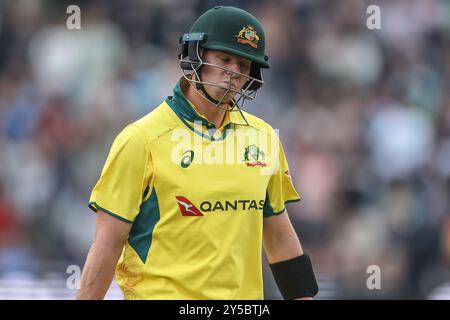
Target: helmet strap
[{"x": 199, "y": 85}]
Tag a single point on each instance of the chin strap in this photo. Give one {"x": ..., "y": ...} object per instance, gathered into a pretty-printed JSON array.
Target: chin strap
[
  {"x": 202, "y": 89},
  {"x": 199, "y": 86},
  {"x": 233, "y": 104}
]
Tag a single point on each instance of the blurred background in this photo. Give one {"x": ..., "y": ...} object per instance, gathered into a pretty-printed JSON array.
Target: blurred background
[{"x": 364, "y": 116}]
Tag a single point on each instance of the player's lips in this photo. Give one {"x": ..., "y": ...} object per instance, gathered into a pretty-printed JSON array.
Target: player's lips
[{"x": 228, "y": 85}]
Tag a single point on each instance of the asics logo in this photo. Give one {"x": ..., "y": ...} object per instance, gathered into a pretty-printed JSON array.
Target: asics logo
[{"x": 187, "y": 159}]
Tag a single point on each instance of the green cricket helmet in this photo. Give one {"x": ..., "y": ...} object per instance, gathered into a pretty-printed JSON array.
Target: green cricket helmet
[{"x": 231, "y": 30}]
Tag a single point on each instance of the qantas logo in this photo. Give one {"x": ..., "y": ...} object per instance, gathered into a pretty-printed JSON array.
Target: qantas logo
[{"x": 188, "y": 209}]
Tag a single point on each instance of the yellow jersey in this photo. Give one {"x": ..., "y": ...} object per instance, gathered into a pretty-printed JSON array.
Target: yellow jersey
[{"x": 196, "y": 197}]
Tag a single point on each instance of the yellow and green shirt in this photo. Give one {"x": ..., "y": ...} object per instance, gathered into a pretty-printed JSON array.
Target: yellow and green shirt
[{"x": 196, "y": 197}]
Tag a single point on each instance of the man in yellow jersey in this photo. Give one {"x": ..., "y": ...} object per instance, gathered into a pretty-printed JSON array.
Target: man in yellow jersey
[{"x": 191, "y": 193}]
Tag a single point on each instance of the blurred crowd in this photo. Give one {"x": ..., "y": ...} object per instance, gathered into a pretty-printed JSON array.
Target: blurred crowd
[{"x": 364, "y": 116}]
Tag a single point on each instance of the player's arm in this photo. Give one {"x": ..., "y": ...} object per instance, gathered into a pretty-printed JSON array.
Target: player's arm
[
  {"x": 110, "y": 236},
  {"x": 280, "y": 239},
  {"x": 290, "y": 266}
]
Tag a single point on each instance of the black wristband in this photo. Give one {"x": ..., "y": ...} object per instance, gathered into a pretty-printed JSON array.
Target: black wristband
[{"x": 295, "y": 277}]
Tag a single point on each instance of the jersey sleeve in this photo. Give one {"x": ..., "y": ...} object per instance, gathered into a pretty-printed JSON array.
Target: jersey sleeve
[
  {"x": 280, "y": 189},
  {"x": 124, "y": 178}
]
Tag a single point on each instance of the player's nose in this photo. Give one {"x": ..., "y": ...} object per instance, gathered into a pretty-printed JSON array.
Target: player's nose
[{"x": 234, "y": 73}]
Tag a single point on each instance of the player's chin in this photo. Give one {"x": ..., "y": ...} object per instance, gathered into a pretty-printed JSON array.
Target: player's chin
[
  {"x": 222, "y": 95},
  {"x": 227, "y": 98}
]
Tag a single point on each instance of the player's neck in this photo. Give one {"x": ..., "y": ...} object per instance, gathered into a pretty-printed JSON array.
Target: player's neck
[{"x": 211, "y": 112}]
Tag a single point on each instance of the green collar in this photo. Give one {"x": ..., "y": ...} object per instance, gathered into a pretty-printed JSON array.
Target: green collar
[
  {"x": 189, "y": 116},
  {"x": 185, "y": 109}
]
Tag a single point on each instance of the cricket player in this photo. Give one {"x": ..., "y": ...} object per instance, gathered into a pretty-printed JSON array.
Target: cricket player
[{"x": 191, "y": 193}]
